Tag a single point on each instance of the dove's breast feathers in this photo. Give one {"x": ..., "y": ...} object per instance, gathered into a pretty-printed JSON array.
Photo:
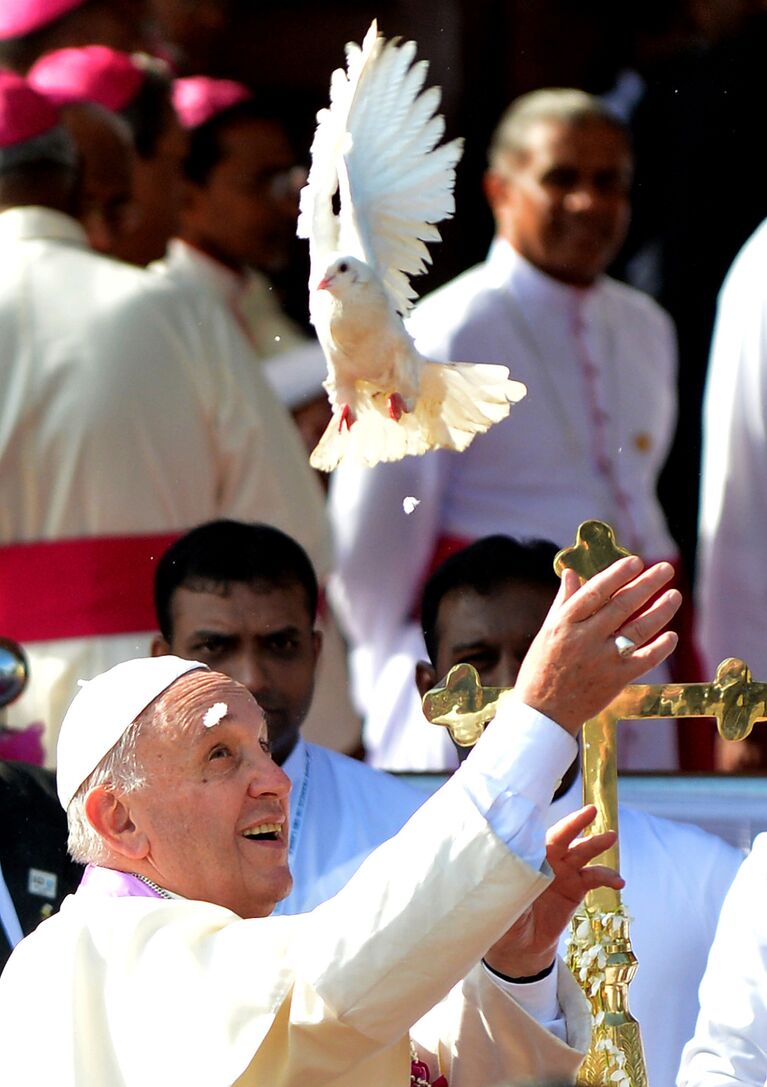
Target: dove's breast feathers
[{"x": 366, "y": 341}]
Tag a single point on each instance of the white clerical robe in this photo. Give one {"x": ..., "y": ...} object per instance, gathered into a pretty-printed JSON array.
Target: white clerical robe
[
  {"x": 126, "y": 410},
  {"x": 340, "y": 810},
  {"x": 148, "y": 991},
  {"x": 677, "y": 877},
  {"x": 599, "y": 365},
  {"x": 730, "y": 1042},
  {"x": 731, "y": 581}
]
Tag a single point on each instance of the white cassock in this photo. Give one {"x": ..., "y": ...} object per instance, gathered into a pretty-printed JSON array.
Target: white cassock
[
  {"x": 677, "y": 877},
  {"x": 588, "y": 441},
  {"x": 294, "y": 366},
  {"x": 730, "y": 1042},
  {"x": 154, "y": 992},
  {"x": 340, "y": 810},
  {"x": 732, "y": 582},
  {"x": 128, "y": 412}
]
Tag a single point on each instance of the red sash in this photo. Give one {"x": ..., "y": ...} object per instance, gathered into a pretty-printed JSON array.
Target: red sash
[{"x": 53, "y": 589}]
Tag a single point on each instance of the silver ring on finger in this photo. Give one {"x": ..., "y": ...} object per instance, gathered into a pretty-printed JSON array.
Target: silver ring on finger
[{"x": 624, "y": 645}]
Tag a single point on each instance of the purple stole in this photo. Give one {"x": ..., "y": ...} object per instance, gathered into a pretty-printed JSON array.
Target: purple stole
[{"x": 112, "y": 884}]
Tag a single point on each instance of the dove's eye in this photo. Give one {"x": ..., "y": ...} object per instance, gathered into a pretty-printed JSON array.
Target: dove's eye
[{"x": 343, "y": 267}]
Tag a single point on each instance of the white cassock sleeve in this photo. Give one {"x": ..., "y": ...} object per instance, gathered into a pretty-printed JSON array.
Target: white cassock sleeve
[{"x": 730, "y": 1042}]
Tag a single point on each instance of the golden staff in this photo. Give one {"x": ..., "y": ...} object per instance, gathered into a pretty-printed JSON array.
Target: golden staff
[{"x": 600, "y": 952}]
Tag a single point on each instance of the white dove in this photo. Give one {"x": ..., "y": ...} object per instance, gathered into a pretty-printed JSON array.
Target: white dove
[{"x": 375, "y": 151}]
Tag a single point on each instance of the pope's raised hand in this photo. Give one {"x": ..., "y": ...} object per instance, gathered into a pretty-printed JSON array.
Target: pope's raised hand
[{"x": 573, "y": 668}]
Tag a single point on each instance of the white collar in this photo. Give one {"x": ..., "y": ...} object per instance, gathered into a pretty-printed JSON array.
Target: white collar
[
  {"x": 533, "y": 286},
  {"x": 224, "y": 282},
  {"x": 33, "y": 222}
]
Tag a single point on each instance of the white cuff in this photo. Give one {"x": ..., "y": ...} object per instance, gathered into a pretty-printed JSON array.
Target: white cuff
[{"x": 513, "y": 772}]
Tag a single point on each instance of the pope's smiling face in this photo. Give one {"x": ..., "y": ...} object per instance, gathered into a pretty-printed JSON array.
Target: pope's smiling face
[{"x": 215, "y": 807}]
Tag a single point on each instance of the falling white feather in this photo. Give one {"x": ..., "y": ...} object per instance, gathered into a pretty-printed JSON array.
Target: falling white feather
[{"x": 376, "y": 147}]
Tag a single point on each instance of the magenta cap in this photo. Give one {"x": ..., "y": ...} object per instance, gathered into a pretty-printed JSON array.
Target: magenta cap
[
  {"x": 24, "y": 113},
  {"x": 90, "y": 73},
  {"x": 20, "y": 17},
  {"x": 199, "y": 98}
]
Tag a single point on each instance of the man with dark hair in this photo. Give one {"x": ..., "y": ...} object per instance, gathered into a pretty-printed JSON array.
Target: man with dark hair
[
  {"x": 243, "y": 599},
  {"x": 598, "y": 359},
  {"x": 484, "y": 606},
  {"x": 137, "y": 88},
  {"x": 129, "y": 415},
  {"x": 29, "y": 28}
]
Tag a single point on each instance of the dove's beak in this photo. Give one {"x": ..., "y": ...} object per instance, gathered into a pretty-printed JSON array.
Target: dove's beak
[{"x": 324, "y": 283}]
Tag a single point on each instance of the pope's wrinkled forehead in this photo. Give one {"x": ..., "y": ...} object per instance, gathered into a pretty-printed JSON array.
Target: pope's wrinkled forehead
[{"x": 200, "y": 701}]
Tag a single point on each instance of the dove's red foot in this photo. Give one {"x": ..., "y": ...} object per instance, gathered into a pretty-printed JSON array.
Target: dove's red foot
[
  {"x": 396, "y": 407},
  {"x": 346, "y": 418}
]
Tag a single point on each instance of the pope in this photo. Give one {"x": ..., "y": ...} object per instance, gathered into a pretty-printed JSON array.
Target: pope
[{"x": 164, "y": 967}]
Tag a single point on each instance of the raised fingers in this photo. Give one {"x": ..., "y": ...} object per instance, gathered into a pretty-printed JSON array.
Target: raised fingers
[
  {"x": 564, "y": 832},
  {"x": 649, "y": 656},
  {"x": 580, "y": 853},
  {"x": 653, "y": 619},
  {"x": 595, "y": 593},
  {"x": 599, "y": 875}
]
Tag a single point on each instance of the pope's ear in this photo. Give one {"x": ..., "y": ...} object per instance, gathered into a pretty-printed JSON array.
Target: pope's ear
[
  {"x": 425, "y": 677},
  {"x": 109, "y": 814}
]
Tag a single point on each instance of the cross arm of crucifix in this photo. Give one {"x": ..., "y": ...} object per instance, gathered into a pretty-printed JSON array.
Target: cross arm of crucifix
[{"x": 465, "y": 707}]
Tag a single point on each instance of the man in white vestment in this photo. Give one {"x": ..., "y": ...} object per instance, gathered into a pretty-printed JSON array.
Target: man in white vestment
[
  {"x": 589, "y": 440},
  {"x": 483, "y": 606},
  {"x": 731, "y": 581},
  {"x": 128, "y": 416},
  {"x": 243, "y": 599},
  {"x": 730, "y": 1042},
  {"x": 164, "y": 967}
]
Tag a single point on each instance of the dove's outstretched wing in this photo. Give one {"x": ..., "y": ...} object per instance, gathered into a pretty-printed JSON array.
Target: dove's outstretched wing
[{"x": 377, "y": 145}]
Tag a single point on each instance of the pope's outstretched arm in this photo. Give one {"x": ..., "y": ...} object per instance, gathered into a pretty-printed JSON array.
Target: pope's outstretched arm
[{"x": 448, "y": 886}]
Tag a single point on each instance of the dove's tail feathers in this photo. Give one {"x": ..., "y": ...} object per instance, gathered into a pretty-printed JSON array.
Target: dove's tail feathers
[{"x": 456, "y": 402}]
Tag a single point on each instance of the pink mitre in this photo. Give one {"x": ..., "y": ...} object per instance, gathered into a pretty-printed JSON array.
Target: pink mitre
[
  {"x": 199, "y": 98},
  {"x": 24, "y": 113},
  {"x": 90, "y": 73},
  {"x": 20, "y": 17}
]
